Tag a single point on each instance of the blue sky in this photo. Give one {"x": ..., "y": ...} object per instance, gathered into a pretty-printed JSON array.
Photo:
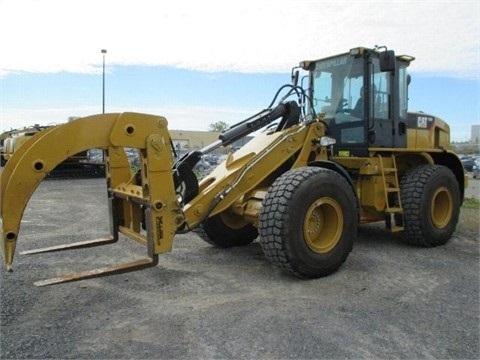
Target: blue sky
[{"x": 201, "y": 62}]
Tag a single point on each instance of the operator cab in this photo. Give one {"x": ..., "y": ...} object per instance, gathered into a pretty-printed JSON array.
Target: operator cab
[{"x": 363, "y": 96}]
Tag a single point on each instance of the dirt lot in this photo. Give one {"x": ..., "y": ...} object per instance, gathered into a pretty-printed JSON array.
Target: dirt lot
[{"x": 389, "y": 300}]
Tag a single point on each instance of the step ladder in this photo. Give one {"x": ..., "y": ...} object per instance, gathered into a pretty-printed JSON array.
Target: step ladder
[{"x": 393, "y": 203}]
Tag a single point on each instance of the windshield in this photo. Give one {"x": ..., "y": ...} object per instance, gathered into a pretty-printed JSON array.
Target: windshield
[{"x": 338, "y": 87}]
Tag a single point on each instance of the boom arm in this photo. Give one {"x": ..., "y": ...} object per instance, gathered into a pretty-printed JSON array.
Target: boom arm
[{"x": 240, "y": 130}]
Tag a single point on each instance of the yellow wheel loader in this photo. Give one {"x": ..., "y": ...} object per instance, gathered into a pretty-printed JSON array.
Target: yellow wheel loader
[{"x": 337, "y": 150}]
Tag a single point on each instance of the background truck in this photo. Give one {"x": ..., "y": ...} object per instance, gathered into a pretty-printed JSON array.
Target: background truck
[
  {"x": 76, "y": 165},
  {"x": 336, "y": 151}
]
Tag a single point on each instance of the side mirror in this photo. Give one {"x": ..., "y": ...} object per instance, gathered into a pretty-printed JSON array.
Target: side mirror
[
  {"x": 387, "y": 60},
  {"x": 295, "y": 75}
]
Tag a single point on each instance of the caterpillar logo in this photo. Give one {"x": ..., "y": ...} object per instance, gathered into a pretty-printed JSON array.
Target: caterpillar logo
[
  {"x": 331, "y": 63},
  {"x": 424, "y": 122}
]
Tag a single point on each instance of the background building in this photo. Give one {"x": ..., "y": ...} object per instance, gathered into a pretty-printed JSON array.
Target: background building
[
  {"x": 475, "y": 138},
  {"x": 185, "y": 140}
]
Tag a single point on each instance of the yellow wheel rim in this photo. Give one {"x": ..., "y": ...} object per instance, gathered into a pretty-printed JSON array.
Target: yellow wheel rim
[
  {"x": 323, "y": 225},
  {"x": 442, "y": 207},
  {"x": 232, "y": 220}
]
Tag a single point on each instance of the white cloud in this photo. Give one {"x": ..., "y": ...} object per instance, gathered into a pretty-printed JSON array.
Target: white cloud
[{"x": 245, "y": 36}]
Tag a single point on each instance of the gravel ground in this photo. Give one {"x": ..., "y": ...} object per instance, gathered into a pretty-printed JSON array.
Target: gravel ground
[{"x": 389, "y": 300}]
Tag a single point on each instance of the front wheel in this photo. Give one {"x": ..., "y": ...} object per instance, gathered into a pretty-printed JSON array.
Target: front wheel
[
  {"x": 226, "y": 230},
  {"x": 431, "y": 205},
  {"x": 308, "y": 222}
]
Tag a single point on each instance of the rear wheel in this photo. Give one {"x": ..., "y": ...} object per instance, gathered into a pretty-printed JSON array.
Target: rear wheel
[
  {"x": 226, "y": 229},
  {"x": 431, "y": 205},
  {"x": 308, "y": 222}
]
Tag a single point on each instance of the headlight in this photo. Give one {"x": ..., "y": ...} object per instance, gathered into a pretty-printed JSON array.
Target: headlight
[{"x": 327, "y": 141}]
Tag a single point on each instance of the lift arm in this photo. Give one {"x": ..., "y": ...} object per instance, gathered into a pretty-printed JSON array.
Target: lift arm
[{"x": 240, "y": 130}]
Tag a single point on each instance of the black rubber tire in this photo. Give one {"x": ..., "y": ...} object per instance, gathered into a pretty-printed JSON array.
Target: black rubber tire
[
  {"x": 188, "y": 182},
  {"x": 284, "y": 227},
  {"x": 215, "y": 231},
  {"x": 431, "y": 202}
]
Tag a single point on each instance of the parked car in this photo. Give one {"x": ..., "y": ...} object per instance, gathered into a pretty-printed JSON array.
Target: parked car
[
  {"x": 212, "y": 159},
  {"x": 202, "y": 165},
  {"x": 476, "y": 169},
  {"x": 468, "y": 164}
]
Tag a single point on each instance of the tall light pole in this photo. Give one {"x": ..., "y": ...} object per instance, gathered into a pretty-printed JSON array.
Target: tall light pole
[{"x": 103, "y": 82}]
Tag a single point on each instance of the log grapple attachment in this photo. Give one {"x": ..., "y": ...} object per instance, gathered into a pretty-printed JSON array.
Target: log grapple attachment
[{"x": 150, "y": 199}]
